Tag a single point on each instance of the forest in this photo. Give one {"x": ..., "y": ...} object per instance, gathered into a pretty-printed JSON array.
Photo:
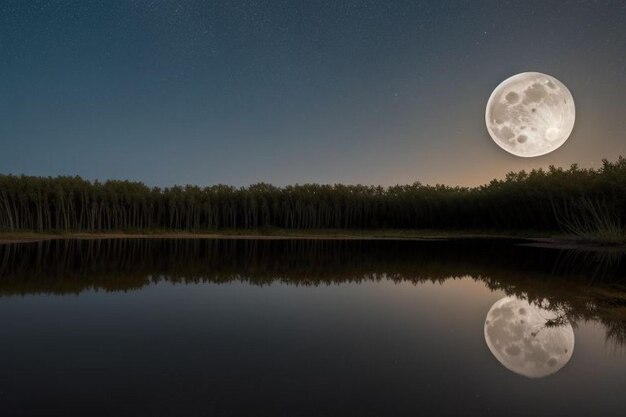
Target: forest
[{"x": 522, "y": 200}]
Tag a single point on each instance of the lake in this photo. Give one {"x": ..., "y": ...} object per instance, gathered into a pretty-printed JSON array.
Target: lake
[{"x": 158, "y": 327}]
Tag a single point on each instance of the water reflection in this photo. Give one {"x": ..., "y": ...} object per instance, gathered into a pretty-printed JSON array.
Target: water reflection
[
  {"x": 303, "y": 328},
  {"x": 527, "y": 339},
  {"x": 568, "y": 281}
]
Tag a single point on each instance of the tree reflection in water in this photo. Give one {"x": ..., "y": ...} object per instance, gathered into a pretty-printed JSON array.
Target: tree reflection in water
[{"x": 579, "y": 285}]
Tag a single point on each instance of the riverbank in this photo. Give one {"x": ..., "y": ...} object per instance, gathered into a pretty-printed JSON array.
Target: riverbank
[
  {"x": 378, "y": 234},
  {"x": 553, "y": 240}
]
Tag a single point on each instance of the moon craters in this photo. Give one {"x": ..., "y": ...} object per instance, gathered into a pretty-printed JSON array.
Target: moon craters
[
  {"x": 506, "y": 133},
  {"x": 552, "y": 133},
  {"x": 534, "y": 94},
  {"x": 518, "y": 334},
  {"x": 512, "y": 97},
  {"x": 530, "y": 114}
]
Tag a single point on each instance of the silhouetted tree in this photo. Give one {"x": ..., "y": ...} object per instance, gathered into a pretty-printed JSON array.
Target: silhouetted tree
[{"x": 521, "y": 200}]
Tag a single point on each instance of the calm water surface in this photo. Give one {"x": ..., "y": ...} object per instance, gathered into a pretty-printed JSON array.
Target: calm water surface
[{"x": 310, "y": 328}]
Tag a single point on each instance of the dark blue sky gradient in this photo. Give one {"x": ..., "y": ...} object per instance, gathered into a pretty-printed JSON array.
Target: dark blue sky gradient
[{"x": 238, "y": 92}]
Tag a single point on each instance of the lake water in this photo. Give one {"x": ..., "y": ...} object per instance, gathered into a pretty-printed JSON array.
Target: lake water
[{"x": 310, "y": 328}]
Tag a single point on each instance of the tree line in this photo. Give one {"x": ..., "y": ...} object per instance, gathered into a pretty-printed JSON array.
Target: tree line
[{"x": 522, "y": 200}]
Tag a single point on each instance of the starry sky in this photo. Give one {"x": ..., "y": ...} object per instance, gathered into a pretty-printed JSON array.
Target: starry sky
[{"x": 295, "y": 91}]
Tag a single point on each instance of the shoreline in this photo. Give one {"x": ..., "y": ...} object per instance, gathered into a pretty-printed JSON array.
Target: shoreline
[
  {"x": 278, "y": 234},
  {"x": 527, "y": 238}
]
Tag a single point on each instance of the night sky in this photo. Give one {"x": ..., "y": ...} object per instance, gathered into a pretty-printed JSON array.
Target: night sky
[{"x": 294, "y": 91}]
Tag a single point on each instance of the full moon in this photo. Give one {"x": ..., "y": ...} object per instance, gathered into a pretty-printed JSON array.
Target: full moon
[
  {"x": 518, "y": 336},
  {"x": 530, "y": 114}
]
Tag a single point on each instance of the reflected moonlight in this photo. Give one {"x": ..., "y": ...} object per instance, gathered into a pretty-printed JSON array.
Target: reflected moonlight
[
  {"x": 530, "y": 114},
  {"x": 518, "y": 335}
]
